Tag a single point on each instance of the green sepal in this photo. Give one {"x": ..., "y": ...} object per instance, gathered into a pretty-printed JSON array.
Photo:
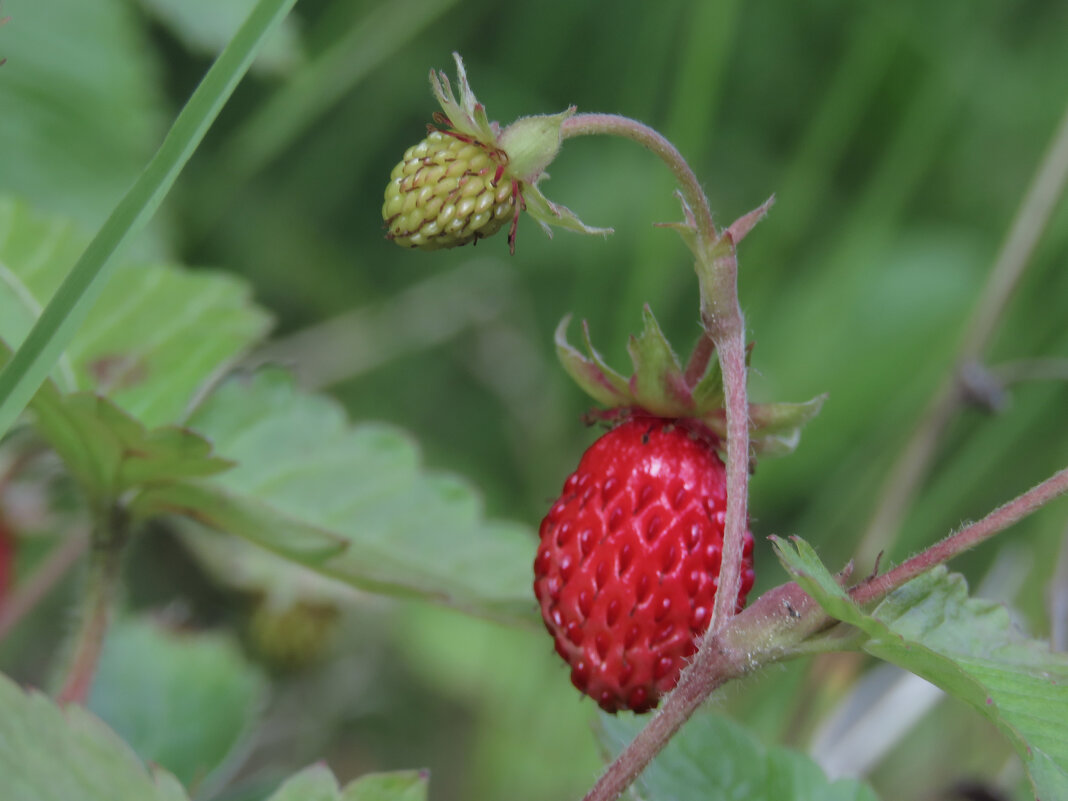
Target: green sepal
[
  {"x": 549, "y": 214},
  {"x": 592, "y": 373},
  {"x": 658, "y": 382},
  {"x": 658, "y": 386},
  {"x": 687, "y": 229},
  {"x": 775, "y": 428},
  {"x": 709, "y": 394},
  {"x": 532, "y": 143},
  {"x": 467, "y": 115}
]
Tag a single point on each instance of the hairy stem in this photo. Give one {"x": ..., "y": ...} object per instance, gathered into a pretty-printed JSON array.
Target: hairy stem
[
  {"x": 616, "y": 125},
  {"x": 106, "y": 544},
  {"x": 677, "y": 709},
  {"x": 968, "y": 537},
  {"x": 771, "y": 628},
  {"x": 717, "y": 272},
  {"x": 1042, "y": 196},
  {"x": 731, "y": 350}
]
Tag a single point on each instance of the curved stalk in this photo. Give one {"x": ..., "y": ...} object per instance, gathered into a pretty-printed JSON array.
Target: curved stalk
[
  {"x": 717, "y": 271},
  {"x": 616, "y": 125}
]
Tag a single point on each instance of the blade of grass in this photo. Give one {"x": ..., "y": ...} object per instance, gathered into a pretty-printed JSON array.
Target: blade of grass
[
  {"x": 306, "y": 96},
  {"x": 56, "y": 326},
  {"x": 318, "y": 85}
]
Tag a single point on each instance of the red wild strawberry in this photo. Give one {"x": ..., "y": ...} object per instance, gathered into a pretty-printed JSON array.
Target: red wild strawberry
[{"x": 628, "y": 565}]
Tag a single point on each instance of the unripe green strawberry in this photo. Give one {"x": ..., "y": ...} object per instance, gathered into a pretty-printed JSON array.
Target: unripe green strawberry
[
  {"x": 448, "y": 190},
  {"x": 467, "y": 179},
  {"x": 628, "y": 566},
  {"x": 294, "y": 637}
]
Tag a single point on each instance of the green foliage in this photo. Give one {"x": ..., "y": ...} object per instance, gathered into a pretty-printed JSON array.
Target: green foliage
[
  {"x": 71, "y": 71},
  {"x": 182, "y": 700},
  {"x": 307, "y": 484},
  {"x": 969, "y": 648},
  {"x": 49, "y": 753},
  {"x": 133, "y": 348},
  {"x": 714, "y": 758},
  {"x": 317, "y": 783},
  {"x": 73, "y": 299},
  {"x": 898, "y": 139},
  {"x": 658, "y": 386},
  {"x": 305, "y": 475},
  {"x": 109, "y": 452}
]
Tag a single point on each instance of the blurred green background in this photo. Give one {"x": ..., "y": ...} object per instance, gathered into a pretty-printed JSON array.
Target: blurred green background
[{"x": 899, "y": 140}]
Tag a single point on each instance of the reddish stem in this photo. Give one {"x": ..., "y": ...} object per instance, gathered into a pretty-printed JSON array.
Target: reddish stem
[
  {"x": 616, "y": 125},
  {"x": 717, "y": 272},
  {"x": 776, "y": 625},
  {"x": 968, "y": 537},
  {"x": 731, "y": 351},
  {"x": 29, "y": 592},
  {"x": 107, "y": 541}
]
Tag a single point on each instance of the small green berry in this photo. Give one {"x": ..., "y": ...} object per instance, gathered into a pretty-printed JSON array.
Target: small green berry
[
  {"x": 467, "y": 179},
  {"x": 448, "y": 190}
]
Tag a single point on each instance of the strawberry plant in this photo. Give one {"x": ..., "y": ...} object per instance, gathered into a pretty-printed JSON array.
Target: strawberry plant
[{"x": 216, "y": 584}]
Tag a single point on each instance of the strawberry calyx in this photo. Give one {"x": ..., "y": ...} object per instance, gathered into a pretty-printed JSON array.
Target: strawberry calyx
[{"x": 660, "y": 386}]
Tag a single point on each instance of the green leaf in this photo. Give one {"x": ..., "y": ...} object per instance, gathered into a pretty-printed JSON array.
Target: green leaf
[
  {"x": 314, "y": 783},
  {"x": 407, "y": 785},
  {"x": 82, "y": 107},
  {"x": 156, "y": 334},
  {"x": 658, "y": 380},
  {"x": 307, "y": 478},
  {"x": 155, "y": 337},
  {"x": 969, "y": 648},
  {"x": 713, "y": 758},
  {"x": 35, "y": 358},
  {"x": 317, "y": 783},
  {"x": 182, "y": 700},
  {"x": 109, "y": 452},
  {"x": 207, "y": 25},
  {"x": 53, "y": 754}
]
